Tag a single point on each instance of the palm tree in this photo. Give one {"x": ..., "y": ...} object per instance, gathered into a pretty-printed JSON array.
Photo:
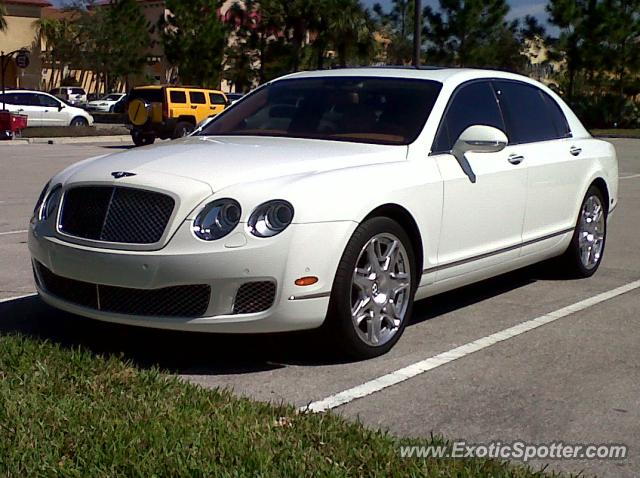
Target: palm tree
[
  {"x": 351, "y": 30},
  {"x": 3, "y": 22},
  {"x": 59, "y": 40}
]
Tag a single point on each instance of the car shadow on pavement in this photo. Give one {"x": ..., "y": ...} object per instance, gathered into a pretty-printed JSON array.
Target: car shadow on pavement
[{"x": 216, "y": 354}]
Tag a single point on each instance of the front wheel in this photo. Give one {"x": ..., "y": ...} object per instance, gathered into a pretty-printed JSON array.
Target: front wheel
[
  {"x": 372, "y": 295},
  {"x": 584, "y": 255},
  {"x": 142, "y": 139}
]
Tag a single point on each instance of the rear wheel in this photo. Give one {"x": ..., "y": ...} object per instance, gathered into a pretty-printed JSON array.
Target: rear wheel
[
  {"x": 584, "y": 255},
  {"x": 183, "y": 128},
  {"x": 79, "y": 121},
  {"x": 373, "y": 291},
  {"x": 142, "y": 139}
]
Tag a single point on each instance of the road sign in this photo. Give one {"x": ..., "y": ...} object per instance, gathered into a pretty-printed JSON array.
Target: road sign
[{"x": 22, "y": 60}]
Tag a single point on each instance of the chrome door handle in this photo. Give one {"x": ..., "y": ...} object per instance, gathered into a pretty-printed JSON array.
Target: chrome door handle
[
  {"x": 515, "y": 158},
  {"x": 575, "y": 151}
]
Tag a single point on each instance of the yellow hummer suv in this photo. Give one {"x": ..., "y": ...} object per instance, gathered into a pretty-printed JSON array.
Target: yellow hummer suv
[{"x": 170, "y": 111}]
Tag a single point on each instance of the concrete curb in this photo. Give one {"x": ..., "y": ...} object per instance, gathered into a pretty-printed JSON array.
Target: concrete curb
[{"x": 70, "y": 140}]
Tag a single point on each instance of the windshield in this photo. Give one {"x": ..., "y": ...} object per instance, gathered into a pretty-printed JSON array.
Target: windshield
[
  {"x": 358, "y": 109},
  {"x": 113, "y": 97}
]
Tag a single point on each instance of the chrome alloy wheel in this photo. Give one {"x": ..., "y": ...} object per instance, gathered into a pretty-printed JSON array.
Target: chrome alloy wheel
[
  {"x": 380, "y": 289},
  {"x": 591, "y": 231}
]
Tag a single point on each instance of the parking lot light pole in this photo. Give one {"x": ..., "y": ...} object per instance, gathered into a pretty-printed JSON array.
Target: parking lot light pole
[
  {"x": 4, "y": 62},
  {"x": 417, "y": 30}
]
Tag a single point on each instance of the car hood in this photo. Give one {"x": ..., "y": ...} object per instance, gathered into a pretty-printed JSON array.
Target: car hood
[{"x": 225, "y": 161}]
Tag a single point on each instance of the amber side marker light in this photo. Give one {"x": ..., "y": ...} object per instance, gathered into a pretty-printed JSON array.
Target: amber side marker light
[{"x": 309, "y": 280}]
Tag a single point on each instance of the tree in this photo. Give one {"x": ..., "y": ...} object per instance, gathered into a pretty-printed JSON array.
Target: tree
[
  {"x": 399, "y": 24},
  {"x": 472, "y": 33},
  {"x": 3, "y": 22},
  {"x": 60, "y": 40},
  {"x": 113, "y": 39},
  {"x": 350, "y": 28},
  {"x": 194, "y": 39}
]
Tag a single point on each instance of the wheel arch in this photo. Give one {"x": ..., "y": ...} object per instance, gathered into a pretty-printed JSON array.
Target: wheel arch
[
  {"x": 403, "y": 217},
  {"x": 187, "y": 119},
  {"x": 601, "y": 184},
  {"x": 78, "y": 117}
]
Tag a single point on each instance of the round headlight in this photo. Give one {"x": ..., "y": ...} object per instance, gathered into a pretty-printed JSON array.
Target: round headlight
[
  {"x": 217, "y": 219},
  {"x": 51, "y": 203},
  {"x": 271, "y": 218},
  {"x": 36, "y": 209}
]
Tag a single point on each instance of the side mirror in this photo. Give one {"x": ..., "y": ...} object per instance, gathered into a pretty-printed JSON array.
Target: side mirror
[
  {"x": 477, "y": 139},
  {"x": 60, "y": 106}
]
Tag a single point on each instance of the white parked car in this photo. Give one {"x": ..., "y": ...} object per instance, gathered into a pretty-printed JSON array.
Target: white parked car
[
  {"x": 106, "y": 103},
  {"x": 332, "y": 199},
  {"x": 73, "y": 95},
  {"x": 43, "y": 109}
]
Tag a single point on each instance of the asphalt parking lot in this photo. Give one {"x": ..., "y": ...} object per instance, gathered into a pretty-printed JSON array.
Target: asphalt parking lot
[{"x": 575, "y": 379}]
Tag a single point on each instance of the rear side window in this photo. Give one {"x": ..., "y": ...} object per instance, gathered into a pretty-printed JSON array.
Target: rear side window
[
  {"x": 558, "y": 117},
  {"x": 77, "y": 91},
  {"x": 217, "y": 99},
  {"x": 150, "y": 95},
  {"x": 472, "y": 104},
  {"x": 197, "y": 97},
  {"x": 178, "y": 96},
  {"x": 526, "y": 113},
  {"x": 25, "y": 99}
]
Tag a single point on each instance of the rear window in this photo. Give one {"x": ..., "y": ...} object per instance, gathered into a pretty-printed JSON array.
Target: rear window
[
  {"x": 77, "y": 91},
  {"x": 217, "y": 99},
  {"x": 357, "y": 109},
  {"x": 197, "y": 97},
  {"x": 151, "y": 95},
  {"x": 178, "y": 97}
]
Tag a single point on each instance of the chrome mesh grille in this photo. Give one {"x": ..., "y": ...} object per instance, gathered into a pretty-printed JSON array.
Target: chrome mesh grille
[
  {"x": 178, "y": 301},
  {"x": 115, "y": 214},
  {"x": 254, "y": 297}
]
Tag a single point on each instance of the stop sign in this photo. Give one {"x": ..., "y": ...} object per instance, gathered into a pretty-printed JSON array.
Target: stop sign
[{"x": 22, "y": 60}]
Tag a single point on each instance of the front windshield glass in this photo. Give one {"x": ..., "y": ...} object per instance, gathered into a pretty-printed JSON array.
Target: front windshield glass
[
  {"x": 113, "y": 97},
  {"x": 359, "y": 109}
]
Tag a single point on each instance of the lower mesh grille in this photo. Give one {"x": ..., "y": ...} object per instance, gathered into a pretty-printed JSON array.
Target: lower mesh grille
[
  {"x": 177, "y": 301},
  {"x": 254, "y": 297}
]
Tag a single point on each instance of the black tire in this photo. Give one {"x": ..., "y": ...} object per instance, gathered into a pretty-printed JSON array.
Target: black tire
[
  {"x": 339, "y": 327},
  {"x": 182, "y": 129},
  {"x": 79, "y": 121},
  {"x": 142, "y": 139},
  {"x": 573, "y": 265}
]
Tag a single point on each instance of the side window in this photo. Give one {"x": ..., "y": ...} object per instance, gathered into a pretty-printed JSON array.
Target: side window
[
  {"x": 177, "y": 96},
  {"x": 217, "y": 99},
  {"x": 558, "y": 117},
  {"x": 470, "y": 105},
  {"x": 197, "y": 97},
  {"x": 47, "y": 101},
  {"x": 526, "y": 113},
  {"x": 26, "y": 99}
]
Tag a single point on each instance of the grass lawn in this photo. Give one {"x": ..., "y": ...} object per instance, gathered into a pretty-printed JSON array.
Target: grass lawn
[
  {"x": 614, "y": 133},
  {"x": 68, "y": 412},
  {"x": 74, "y": 132}
]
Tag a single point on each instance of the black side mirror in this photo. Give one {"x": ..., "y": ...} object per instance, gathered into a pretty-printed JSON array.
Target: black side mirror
[{"x": 60, "y": 106}]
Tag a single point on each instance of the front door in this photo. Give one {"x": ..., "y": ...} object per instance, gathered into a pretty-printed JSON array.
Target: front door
[{"x": 481, "y": 220}]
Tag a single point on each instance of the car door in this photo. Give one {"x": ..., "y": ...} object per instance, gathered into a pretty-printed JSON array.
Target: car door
[
  {"x": 217, "y": 103},
  {"x": 27, "y": 104},
  {"x": 52, "y": 113},
  {"x": 540, "y": 132},
  {"x": 482, "y": 220},
  {"x": 199, "y": 105}
]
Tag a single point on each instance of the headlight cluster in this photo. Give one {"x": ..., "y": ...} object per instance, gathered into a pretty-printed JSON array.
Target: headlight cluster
[
  {"x": 220, "y": 217},
  {"x": 48, "y": 202}
]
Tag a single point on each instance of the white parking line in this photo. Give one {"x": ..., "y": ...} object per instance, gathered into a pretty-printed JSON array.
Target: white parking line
[
  {"x": 632, "y": 176},
  {"x": 423, "y": 366},
  {"x": 13, "y": 232},
  {"x": 8, "y": 299}
]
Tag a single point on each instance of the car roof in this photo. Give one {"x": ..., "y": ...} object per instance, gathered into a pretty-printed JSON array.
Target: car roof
[
  {"x": 442, "y": 75},
  {"x": 175, "y": 87}
]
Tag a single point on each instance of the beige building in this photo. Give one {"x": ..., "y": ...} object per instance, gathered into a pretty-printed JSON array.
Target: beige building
[{"x": 21, "y": 33}]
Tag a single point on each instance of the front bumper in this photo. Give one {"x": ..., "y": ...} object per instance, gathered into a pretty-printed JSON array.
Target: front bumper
[{"x": 224, "y": 265}]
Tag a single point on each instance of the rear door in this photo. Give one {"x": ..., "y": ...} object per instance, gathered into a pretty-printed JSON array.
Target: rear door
[
  {"x": 27, "y": 104},
  {"x": 217, "y": 102},
  {"x": 539, "y": 131},
  {"x": 199, "y": 105},
  {"x": 481, "y": 220}
]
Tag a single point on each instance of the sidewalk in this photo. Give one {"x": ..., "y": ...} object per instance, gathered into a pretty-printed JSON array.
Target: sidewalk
[{"x": 70, "y": 140}]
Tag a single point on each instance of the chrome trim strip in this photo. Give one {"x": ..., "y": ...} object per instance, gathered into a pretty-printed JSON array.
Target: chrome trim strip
[
  {"x": 317, "y": 295},
  {"x": 494, "y": 253}
]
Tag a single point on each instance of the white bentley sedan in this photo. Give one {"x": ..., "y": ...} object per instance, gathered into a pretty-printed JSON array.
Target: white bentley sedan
[{"x": 331, "y": 199}]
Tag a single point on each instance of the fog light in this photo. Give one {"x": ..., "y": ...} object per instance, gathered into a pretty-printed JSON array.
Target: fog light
[{"x": 309, "y": 280}]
